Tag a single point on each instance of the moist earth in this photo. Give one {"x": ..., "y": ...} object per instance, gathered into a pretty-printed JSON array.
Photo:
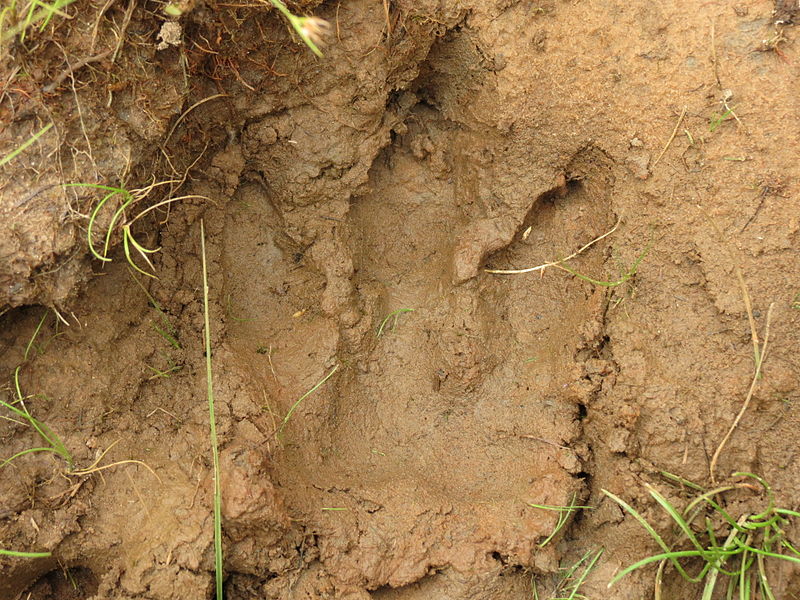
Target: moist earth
[{"x": 352, "y": 205}]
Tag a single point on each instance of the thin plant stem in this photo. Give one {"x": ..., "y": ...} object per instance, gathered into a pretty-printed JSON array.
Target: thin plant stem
[
  {"x": 303, "y": 397},
  {"x": 556, "y": 262},
  {"x": 761, "y": 355},
  {"x": 213, "y": 425},
  {"x": 21, "y": 148}
]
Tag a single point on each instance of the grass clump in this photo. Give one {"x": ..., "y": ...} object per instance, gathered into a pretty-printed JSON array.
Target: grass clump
[
  {"x": 127, "y": 200},
  {"x": 717, "y": 544},
  {"x": 16, "y": 554},
  {"x": 16, "y": 18}
]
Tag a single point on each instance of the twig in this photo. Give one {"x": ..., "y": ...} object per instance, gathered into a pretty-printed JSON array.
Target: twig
[
  {"x": 387, "y": 14},
  {"x": 186, "y": 112},
  {"x": 748, "y": 305},
  {"x": 53, "y": 85},
  {"x": 759, "y": 362},
  {"x": 123, "y": 29},
  {"x": 714, "y": 54},
  {"x": 555, "y": 263},
  {"x": 544, "y": 441},
  {"x": 672, "y": 137},
  {"x": 96, "y": 27}
]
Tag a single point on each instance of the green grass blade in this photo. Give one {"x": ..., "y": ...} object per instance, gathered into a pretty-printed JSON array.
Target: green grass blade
[
  {"x": 166, "y": 373},
  {"x": 744, "y": 580},
  {"x": 49, "y": 10},
  {"x": 25, "y": 554},
  {"x": 668, "y": 552},
  {"x": 676, "y": 516},
  {"x": 138, "y": 246},
  {"x": 672, "y": 556},
  {"x": 95, "y": 211},
  {"x": 642, "y": 521},
  {"x": 716, "y": 566},
  {"x": 28, "y": 451},
  {"x": 167, "y": 336},
  {"x": 588, "y": 569},
  {"x": 569, "y": 508},
  {"x": 46, "y": 434},
  {"x": 127, "y": 235},
  {"x": 31, "y": 18},
  {"x": 717, "y": 120},
  {"x": 680, "y": 480},
  {"x": 22, "y": 147},
  {"x": 303, "y": 397},
  {"x": 772, "y": 554},
  {"x": 569, "y": 572},
  {"x": 786, "y": 544},
  {"x": 564, "y": 514},
  {"x": 35, "y": 333},
  {"x": 394, "y": 314},
  {"x": 212, "y": 425},
  {"x": 127, "y": 200}
]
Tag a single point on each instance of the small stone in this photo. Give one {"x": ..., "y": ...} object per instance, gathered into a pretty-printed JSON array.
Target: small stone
[
  {"x": 639, "y": 165},
  {"x": 171, "y": 34},
  {"x": 618, "y": 440}
]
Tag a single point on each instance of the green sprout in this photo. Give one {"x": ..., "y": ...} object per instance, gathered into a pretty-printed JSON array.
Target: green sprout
[
  {"x": 719, "y": 119},
  {"x": 394, "y": 314}
]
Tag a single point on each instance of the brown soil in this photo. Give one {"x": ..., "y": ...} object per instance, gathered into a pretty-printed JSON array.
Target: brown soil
[{"x": 431, "y": 142}]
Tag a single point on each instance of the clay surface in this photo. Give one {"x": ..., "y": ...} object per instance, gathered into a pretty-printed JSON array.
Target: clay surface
[{"x": 352, "y": 205}]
